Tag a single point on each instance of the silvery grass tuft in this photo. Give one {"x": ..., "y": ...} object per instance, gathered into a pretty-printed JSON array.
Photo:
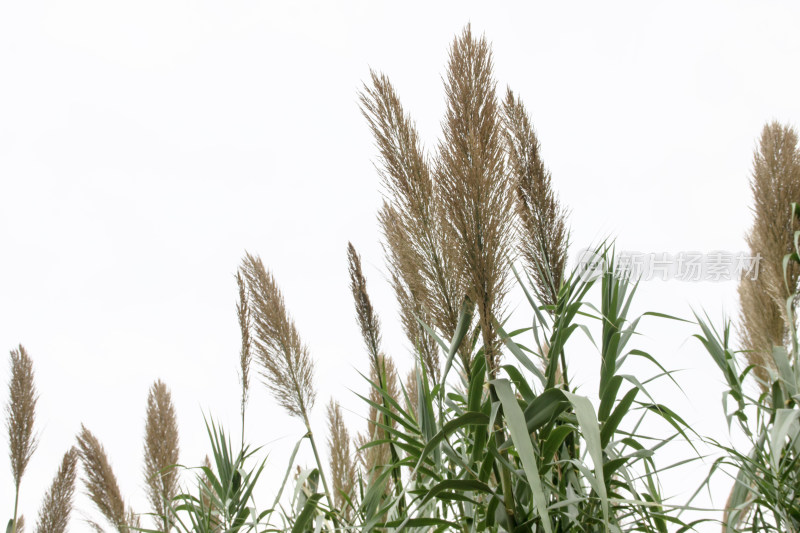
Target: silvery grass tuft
[
  {"x": 20, "y": 418},
  {"x": 161, "y": 450},
  {"x": 775, "y": 184}
]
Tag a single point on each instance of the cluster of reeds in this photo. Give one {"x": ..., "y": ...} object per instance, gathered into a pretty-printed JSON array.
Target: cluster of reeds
[
  {"x": 486, "y": 432},
  {"x": 161, "y": 454}
]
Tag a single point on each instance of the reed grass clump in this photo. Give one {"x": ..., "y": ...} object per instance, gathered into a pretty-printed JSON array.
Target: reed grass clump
[{"x": 487, "y": 432}]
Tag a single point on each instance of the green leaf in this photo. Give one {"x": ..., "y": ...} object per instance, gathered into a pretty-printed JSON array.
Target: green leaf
[
  {"x": 306, "y": 516},
  {"x": 587, "y": 420},
  {"x": 522, "y": 440}
]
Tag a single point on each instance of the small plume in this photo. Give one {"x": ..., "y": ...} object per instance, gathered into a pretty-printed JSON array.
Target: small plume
[
  {"x": 375, "y": 457},
  {"x": 57, "y": 505},
  {"x": 20, "y": 525},
  {"x": 205, "y": 485},
  {"x": 21, "y": 413},
  {"x": 542, "y": 221},
  {"x": 474, "y": 183},
  {"x": 286, "y": 362},
  {"x": 412, "y": 390},
  {"x": 101, "y": 483},
  {"x": 367, "y": 319},
  {"x": 243, "y": 313},
  {"x": 775, "y": 184},
  {"x": 343, "y": 470},
  {"x": 161, "y": 451}
]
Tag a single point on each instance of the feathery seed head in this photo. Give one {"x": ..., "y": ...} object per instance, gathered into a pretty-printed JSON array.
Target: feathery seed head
[
  {"x": 161, "y": 450},
  {"x": 775, "y": 184},
  {"x": 343, "y": 470},
  {"x": 542, "y": 221},
  {"x": 474, "y": 182},
  {"x": 101, "y": 483},
  {"x": 286, "y": 363},
  {"x": 243, "y": 314},
  {"x": 57, "y": 505},
  {"x": 21, "y": 412},
  {"x": 367, "y": 318}
]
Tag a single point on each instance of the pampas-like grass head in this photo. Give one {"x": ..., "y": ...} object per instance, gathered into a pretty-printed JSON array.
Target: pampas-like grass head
[
  {"x": 775, "y": 184},
  {"x": 101, "y": 483},
  {"x": 287, "y": 365},
  {"x": 21, "y": 413},
  {"x": 474, "y": 184},
  {"x": 57, "y": 505},
  {"x": 542, "y": 225},
  {"x": 161, "y": 451}
]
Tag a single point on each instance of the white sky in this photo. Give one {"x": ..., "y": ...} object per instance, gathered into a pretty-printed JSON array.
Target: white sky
[{"x": 144, "y": 146}]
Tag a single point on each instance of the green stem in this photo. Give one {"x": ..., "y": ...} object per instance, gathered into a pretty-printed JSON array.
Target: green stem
[
  {"x": 310, "y": 436},
  {"x": 499, "y": 433}
]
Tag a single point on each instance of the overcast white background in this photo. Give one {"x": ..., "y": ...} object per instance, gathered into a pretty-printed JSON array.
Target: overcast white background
[{"x": 145, "y": 145}]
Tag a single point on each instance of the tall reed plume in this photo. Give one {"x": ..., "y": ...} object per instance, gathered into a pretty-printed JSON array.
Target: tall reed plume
[
  {"x": 161, "y": 450},
  {"x": 57, "y": 505},
  {"x": 286, "y": 363},
  {"x": 542, "y": 223},
  {"x": 101, "y": 483},
  {"x": 474, "y": 184},
  {"x": 775, "y": 184},
  {"x": 20, "y": 418},
  {"x": 425, "y": 267}
]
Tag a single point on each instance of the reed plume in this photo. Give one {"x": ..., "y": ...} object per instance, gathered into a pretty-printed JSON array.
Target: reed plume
[
  {"x": 541, "y": 224},
  {"x": 474, "y": 183},
  {"x": 161, "y": 451},
  {"x": 477, "y": 198},
  {"x": 775, "y": 184},
  {"x": 20, "y": 418},
  {"x": 365, "y": 314},
  {"x": 286, "y": 364},
  {"x": 243, "y": 314},
  {"x": 19, "y": 526},
  {"x": 57, "y": 505},
  {"x": 285, "y": 360},
  {"x": 343, "y": 469},
  {"x": 383, "y": 375},
  {"x": 101, "y": 483},
  {"x": 426, "y": 275}
]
